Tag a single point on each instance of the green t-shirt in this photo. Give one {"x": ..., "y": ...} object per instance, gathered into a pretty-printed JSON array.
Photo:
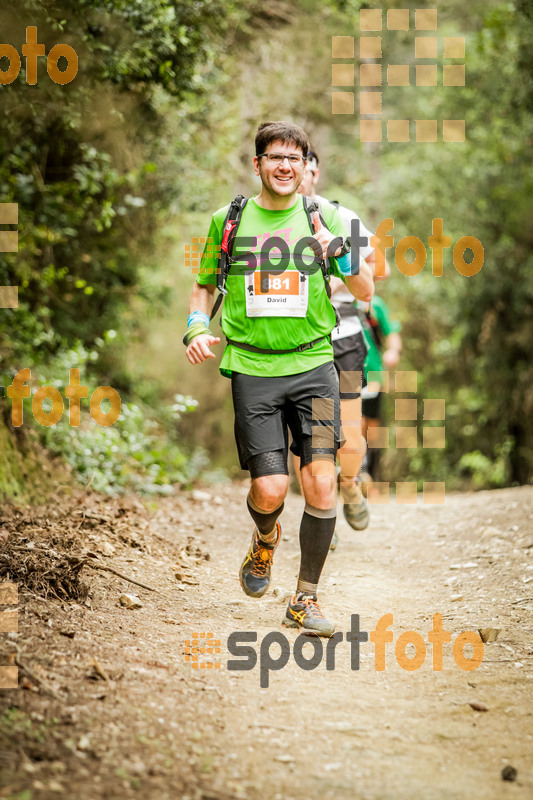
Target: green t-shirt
[
  {"x": 380, "y": 313},
  {"x": 281, "y": 332}
]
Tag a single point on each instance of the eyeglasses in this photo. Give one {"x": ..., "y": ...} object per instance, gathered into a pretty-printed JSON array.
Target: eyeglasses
[{"x": 279, "y": 158}]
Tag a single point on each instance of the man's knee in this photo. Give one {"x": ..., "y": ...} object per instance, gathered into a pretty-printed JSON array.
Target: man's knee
[
  {"x": 268, "y": 492},
  {"x": 320, "y": 484},
  {"x": 324, "y": 488}
]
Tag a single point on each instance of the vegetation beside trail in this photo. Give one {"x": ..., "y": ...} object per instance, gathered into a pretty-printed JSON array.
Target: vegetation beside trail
[
  {"x": 116, "y": 171},
  {"x": 95, "y": 167}
]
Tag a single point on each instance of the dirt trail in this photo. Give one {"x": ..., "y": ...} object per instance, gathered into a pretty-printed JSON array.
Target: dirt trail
[{"x": 160, "y": 729}]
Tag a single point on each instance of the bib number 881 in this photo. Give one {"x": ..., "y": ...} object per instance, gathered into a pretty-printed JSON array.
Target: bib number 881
[{"x": 269, "y": 284}]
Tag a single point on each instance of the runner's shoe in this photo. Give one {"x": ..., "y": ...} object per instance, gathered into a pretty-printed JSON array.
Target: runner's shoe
[
  {"x": 304, "y": 612},
  {"x": 254, "y": 574},
  {"x": 356, "y": 512}
]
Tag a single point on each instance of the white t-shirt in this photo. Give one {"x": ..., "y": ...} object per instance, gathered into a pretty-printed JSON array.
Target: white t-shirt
[{"x": 351, "y": 325}]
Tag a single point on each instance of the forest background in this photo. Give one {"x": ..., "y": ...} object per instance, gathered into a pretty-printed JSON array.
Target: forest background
[{"x": 115, "y": 172}]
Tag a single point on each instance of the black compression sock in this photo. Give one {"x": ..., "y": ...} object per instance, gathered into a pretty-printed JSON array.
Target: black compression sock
[
  {"x": 373, "y": 462},
  {"x": 265, "y": 520},
  {"x": 316, "y": 532}
]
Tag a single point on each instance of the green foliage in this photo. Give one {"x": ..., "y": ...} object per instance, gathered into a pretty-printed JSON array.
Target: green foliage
[
  {"x": 136, "y": 453},
  {"x": 93, "y": 168},
  {"x": 154, "y": 42},
  {"x": 486, "y": 473},
  {"x": 468, "y": 338},
  {"x": 84, "y": 161},
  {"x": 140, "y": 451}
]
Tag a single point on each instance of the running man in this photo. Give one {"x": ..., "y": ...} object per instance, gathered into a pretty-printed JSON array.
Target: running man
[
  {"x": 349, "y": 349},
  {"x": 280, "y": 360}
]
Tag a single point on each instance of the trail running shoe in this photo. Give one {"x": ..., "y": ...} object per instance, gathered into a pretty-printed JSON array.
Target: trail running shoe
[
  {"x": 356, "y": 512},
  {"x": 254, "y": 574},
  {"x": 304, "y": 612}
]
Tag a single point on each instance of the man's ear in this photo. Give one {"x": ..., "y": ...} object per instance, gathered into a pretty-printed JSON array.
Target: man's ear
[{"x": 256, "y": 165}]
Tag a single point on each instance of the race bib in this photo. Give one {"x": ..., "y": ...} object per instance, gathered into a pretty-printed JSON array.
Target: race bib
[{"x": 284, "y": 295}]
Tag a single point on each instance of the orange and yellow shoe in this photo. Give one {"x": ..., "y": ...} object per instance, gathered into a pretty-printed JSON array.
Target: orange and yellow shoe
[
  {"x": 304, "y": 612},
  {"x": 254, "y": 574}
]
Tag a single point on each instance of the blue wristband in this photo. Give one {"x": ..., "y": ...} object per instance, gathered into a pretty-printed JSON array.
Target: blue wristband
[
  {"x": 345, "y": 265},
  {"x": 198, "y": 316}
]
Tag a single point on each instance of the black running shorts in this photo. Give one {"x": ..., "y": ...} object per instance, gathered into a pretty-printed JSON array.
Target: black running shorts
[
  {"x": 267, "y": 407},
  {"x": 350, "y": 353},
  {"x": 371, "y": 407}
]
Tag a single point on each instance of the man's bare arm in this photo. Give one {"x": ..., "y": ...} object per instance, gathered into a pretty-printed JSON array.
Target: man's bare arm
[
  {"x": 393, "y": 348},
  {"x": 371, "y": 261},
  {"x": 362, "y": 285},
  {"x": 202, "y": 299}
]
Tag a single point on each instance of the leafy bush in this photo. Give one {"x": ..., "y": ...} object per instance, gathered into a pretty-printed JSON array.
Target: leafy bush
[
  {"x": 138, "y": 452},
  {"x": 485, "y": 472}
]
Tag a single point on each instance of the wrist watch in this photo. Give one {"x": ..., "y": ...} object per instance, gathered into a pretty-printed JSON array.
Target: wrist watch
[{"x": 346, "y": 247}]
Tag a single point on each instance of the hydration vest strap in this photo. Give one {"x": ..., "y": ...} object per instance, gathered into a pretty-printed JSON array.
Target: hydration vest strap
[{"x": 231, "y": 223}]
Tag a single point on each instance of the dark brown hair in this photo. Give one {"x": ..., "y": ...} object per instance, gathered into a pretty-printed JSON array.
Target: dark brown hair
[{"x": 285, "y": 132}]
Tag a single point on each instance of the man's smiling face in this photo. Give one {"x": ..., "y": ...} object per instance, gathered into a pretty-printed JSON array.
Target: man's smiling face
[{"x": 280, "y": 179}]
